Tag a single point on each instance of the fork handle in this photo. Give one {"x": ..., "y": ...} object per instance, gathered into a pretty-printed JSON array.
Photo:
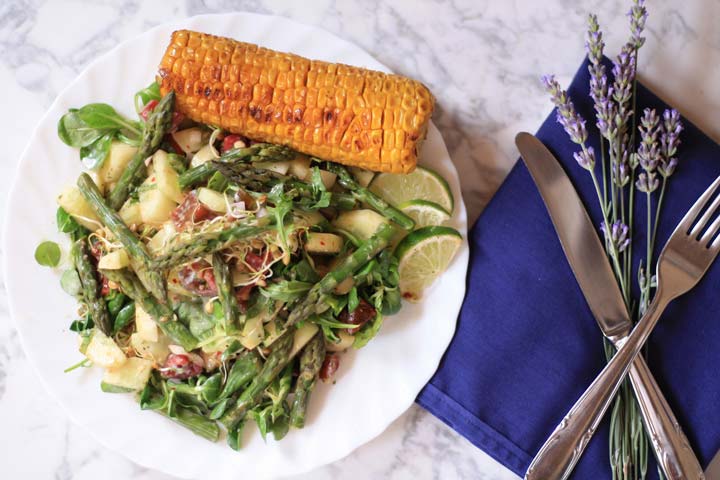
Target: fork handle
[
  {"x": 562, "y": 450},
  {"x": 671, "y": 446}
]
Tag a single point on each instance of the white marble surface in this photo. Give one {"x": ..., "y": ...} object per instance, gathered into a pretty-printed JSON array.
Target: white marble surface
[{"x": 481, "y": 58}]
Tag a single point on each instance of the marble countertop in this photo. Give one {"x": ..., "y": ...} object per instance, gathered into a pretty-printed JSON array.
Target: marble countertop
[{"x": 481, "y": 58}]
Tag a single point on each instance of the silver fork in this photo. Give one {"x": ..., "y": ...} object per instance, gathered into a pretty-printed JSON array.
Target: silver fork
[{"x": 684, "y": 260}]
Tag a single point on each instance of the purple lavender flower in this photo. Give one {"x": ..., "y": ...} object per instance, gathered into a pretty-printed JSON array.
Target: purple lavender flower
[
  {"x": 638, "y": 15},
  {"x": 594, "y": 43},
  {"x": 669, "y": 142},
  {"x": 571, "y": 121},
  {"x": 618, "y": 235},
  {"x": 585, "y": 158},
  {"x": 647, "y": 182},
  {"x": 624, "y": 73},
  {"x": 649, "y": 152},
  {"x": 621, "y": 169}
]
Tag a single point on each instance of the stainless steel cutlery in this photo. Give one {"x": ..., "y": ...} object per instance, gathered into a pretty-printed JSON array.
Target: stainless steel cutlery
[{"x": 684, "y": 260}]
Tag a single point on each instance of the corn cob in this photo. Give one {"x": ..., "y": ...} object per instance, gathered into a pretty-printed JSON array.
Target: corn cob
[{"x": 336, "y": 112}]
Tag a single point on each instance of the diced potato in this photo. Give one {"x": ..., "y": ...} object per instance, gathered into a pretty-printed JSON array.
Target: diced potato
[
  {"x": 155, "y": 207},
  {"x": 302, "y": 218},
  {"x": 253, "y": 333},
  {"x": 328, "y": 178},
  {"x": 205, "y": 154},
  {"x": 73, "y": 202},
  {"x": 166, "y": 177},
  {"x": 323, "y": 243},
  {"x": 190, "y": 139},
  {"x": 130, "y": 213},
  {"x": 103, "y": 351},
  {"x": 346, "y": 341},
  {"x": 114, "y": 260},
  {"x": 116, "y": 162},
  {"x": 154, "y": 351},
  {"x": 215, "y": 201},
  {"x": 97, "y": 180},
  {"x": 160, "y": 240},
  {"x": 132, "y": 375},
  {"x": 272, "y": 332},
  {"x": 362, "y": 223},
  {"x": 277, "y": 167},
  {"x": 300, "y": 166},
  {"x": 145, "y": 326},
  {"x": 364, "y": 177},
  {"x": 302, "y": 336},
  {"x": 345, "y": 286}
]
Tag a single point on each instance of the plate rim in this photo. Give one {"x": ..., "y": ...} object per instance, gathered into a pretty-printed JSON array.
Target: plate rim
[{"x": 463, "y": 254}]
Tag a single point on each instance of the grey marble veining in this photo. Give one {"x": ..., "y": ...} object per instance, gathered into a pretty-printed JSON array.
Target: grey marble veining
[{"x": 481, "y": 58}]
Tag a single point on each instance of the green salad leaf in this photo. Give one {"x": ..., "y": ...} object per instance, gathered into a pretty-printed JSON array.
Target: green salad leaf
[{"x": 48, "y": 254}]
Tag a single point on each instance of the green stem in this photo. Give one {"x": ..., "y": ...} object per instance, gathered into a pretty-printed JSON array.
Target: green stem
[
  {"x": 648, "y": 263},
  {"x": 657, "y": 216}
]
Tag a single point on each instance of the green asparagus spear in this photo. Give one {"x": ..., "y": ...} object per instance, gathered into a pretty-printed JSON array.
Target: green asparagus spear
[
  {"x": 311, "y": 360},
  {"x": 223, "y": 280},
  {"x": 246, "y": 367},
  {"x": 90, "y": 286},
  {"x": 133, "y": 246},
  {"x": 260, "y": 152},
  {"x": 157, "y": 125},
  {"x": 162, "y": 314},
  {"x": 206, "y": 243},
  {"x": 314, "y": 302},
  {"x": 198, "y": 424},
  {"x": 364, "y": 195},
  {"x": 276, "y": 361}
]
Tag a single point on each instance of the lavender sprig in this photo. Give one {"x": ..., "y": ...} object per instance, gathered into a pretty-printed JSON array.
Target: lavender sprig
[
  {"x": 669, "y": 142},
  {"x": 618, "y": 235},
  {"x": 638, "y": 15},
  {"x": 570, "y": 120}
]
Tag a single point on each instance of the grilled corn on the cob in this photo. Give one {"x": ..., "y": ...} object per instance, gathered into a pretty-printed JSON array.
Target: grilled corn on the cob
[{"x": 347, "y": 114}]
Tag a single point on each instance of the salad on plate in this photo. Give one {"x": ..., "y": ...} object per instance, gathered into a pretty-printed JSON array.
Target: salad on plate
[{"x": 229, "y": 244}]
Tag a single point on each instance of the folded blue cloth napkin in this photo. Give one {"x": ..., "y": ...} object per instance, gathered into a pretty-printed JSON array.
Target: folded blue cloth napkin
[{"x": 527, "y": 344}]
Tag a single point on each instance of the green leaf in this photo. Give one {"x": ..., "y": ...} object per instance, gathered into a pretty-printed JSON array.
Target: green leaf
[
  {"x": 151, "y": 92},
  {"x": 368, "y": 331},
  {"x": 286, "y": 290},
  {"x": 125, "y": 317},
  {"x": 74, "y": 132},
  {"x": 47, "y": 254},
  {"x": 82, "y": 325},
  {"x": 70, "y": 282},
  {"x": 353, "y": 300},
  {"x": 65, "y": 222},
  {"x": 217, "y": 182},
  {"x": 93, "y": 155},
  {"x": 322, "y": 196},
  {"x": 102, "y": 116},
  {"x": 280, "y": 427}
]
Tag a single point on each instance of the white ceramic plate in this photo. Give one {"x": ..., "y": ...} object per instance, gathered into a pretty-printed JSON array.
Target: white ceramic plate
[{"x": 374, "y": 385}]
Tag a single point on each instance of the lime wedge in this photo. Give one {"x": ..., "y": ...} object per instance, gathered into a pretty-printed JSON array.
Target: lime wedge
[
  {"x": 425, "y": 213},
  {"x": 422, "y": 184},
  {"x": 423, "y": 256}
]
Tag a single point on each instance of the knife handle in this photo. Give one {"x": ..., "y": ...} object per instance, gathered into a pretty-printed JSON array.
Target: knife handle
[
  {"x": 564, "y": 447},
  {"x": 670, "y": 444}
]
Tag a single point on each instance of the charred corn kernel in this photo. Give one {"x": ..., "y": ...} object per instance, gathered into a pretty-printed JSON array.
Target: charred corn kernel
[{"x": 350, "y": 115}]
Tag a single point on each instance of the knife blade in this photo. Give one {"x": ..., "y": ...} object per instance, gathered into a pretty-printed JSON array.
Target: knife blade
[
  {"x": 591, "y": 268},
  {"x": 712, "y": 472}
]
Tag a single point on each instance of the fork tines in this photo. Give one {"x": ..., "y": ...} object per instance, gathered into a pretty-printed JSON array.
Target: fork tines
[{"x": 699, "y": 232}]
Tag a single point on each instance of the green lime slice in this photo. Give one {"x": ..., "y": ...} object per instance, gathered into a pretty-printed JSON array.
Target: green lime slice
[
  {"x": 422, "y": 184},
  {"x": 425, "y": 213},
  {"x": 423, "y": 256}
]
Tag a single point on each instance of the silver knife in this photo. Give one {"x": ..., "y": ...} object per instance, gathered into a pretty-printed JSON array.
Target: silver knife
[{"x": 592, "y": 270}]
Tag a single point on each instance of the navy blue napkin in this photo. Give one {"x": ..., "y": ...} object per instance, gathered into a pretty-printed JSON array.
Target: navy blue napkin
[{"x": 527, "y": 345}]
